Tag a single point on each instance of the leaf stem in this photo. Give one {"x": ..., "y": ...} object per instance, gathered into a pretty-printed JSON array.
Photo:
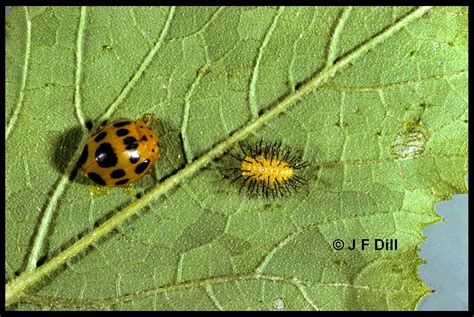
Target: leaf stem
[{"x": 16, "y": 288}]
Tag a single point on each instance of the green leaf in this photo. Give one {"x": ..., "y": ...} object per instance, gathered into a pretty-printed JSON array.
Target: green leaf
[{"x": 375, "y": 99}]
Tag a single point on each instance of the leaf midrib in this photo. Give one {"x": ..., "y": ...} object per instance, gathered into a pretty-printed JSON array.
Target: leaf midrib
[{"x": 15, "y": 288}]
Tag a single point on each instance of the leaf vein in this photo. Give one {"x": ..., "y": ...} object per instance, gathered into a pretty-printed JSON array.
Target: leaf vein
[
  {"x": 51, "y": 205},
  {"x": 104, "y": 303},
  {"x": 179, "y": 270},
  {"x": 453, "y": 88},
  {"x": 253, "y": 83},
  {"x": 146, "y": 62},
  {"x": 377, "y": 88},
  {"x": 332, "y": 53},
  {"x": 79, "y": 57},
  {"x": 19, "y": 104},
  {"x": 305, "y": 295},
  {"x": 213, "y": 297},
  {"x": 205, "y": 26},
  {"x": 261, "y": 267},
  {"x": 139, "y": 28},
  {"x": 187, "y": 105},
  {"x": 291, "y": 79}
]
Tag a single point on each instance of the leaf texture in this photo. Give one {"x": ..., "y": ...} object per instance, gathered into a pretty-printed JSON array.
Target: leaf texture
[{"x": 375, "y": 99}]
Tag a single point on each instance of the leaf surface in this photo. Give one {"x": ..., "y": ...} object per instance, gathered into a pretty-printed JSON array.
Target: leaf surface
[{"x": 374, "y": 98}]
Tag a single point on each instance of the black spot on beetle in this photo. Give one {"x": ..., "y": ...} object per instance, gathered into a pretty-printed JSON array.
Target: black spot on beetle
[
  {"x": 117, "y": 173},
  {"x": 132, "y": 146},
  {"x": 96, "y": 178},
  {"x": 83, "y": 157},
  {"x": 122, "y": 132},
  {"x": 105, "y": 156},
  {"x": 100, "y": 136},
  {"x": 121, "y": 124},
  {"x": 89, "y": 125},
  {"x": 130, "y": 142},
  {"x": 142, "y": 166},
  {"x": 144, "y": 138},
  {"x": 134, "y": 156},
  {"x": 122, "y": 181}
]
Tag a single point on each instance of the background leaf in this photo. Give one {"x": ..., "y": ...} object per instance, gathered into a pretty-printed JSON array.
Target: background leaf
[{"x": 386, "y": 138}]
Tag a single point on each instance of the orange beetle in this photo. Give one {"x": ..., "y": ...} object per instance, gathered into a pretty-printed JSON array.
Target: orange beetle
[{"x": 120, "y": 152}]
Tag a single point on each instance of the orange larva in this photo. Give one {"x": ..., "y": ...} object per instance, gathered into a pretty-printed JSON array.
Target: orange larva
[{"x": 269, "y": 169}]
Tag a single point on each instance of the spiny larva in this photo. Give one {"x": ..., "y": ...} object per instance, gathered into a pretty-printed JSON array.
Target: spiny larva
[{"x": 269, "y": 169}]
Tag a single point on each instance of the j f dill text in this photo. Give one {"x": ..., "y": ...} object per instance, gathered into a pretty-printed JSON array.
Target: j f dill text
[{"x": 367, "y": 244}]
